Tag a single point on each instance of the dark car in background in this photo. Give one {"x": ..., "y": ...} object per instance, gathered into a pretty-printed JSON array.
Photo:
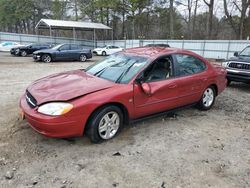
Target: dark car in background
[
  {"x": 28, "y": 49},
  {"x": 158, "y": 45},
  {"x": 63, "y": 52},
  {"x": 238, "y": 67}
]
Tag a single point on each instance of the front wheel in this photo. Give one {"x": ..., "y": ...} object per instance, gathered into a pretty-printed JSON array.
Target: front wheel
[
  {"x": 105, "y": 123},
  {"x": 207, "y": 99},
  {"x": 16, "y": 52},
  {"x": 46, "y": 58}
]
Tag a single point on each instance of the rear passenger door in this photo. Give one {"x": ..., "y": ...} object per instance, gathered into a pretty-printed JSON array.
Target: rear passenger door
[
  {"x": 191, "y": 78},
  {"x": 74, "y": 51},
  {"x": 114, "y": 49}
]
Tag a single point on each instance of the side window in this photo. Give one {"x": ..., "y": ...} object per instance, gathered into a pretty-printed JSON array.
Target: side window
[
  {"x": 74, "y": 47},
  {"x": 188, "y": 65},
  {"x": 161, "y": 69},
  {"x": 64, "y": 47},
  {"x": 35, "y": 46}
]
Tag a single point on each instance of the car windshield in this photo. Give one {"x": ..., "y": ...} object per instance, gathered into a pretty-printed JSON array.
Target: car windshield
[
  {"x": 245, "y": 52},
  {"x": 57, "y": 46},
  {"x": 118, "y": 68}
]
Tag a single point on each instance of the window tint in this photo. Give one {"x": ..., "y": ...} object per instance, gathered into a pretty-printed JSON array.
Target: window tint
[
  {"x": 161, "y": 69},
  {"x": 75, "y": 47},
  {"x": 64, "y": 47},
  {"x": 188, "y": 65}
]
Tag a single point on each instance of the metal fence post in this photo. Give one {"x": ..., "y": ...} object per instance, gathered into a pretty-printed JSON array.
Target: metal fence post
[
  {"x": 203, "y": 50},
  {"x": 228, "y": 48},
  {"x": 182, "y": 44}
]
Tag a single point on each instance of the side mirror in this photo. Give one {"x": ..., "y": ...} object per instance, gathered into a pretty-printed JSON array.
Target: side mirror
[
  {"x": 236, "y": 54},
  {"x": 146, "y": 88}
]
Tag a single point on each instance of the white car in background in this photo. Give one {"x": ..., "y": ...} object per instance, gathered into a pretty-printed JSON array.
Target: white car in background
[
  {"x": 6, "y": 46},
  {"x": 107, "y": 50}
]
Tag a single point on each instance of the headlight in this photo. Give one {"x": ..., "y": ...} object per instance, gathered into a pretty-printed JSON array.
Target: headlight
[
  {"x": 55, "y": 108},
  {"x": 225, "y": 64}
]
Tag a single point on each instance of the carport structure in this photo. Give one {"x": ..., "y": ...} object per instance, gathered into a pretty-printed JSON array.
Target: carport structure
[{"x": 71, "y": 25}]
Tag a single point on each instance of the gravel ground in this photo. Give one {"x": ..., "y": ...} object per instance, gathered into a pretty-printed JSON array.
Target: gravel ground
[{"x": 188, "y": 149}]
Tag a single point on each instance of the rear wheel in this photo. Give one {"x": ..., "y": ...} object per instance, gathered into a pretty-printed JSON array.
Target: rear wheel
[
  {"x": 104, "y": 53},
  {"x": 83, "y": 58},
  {"x": 23, "y": 53},
  {"x": 46, "y": 58},
  {"x": 105, "y": 124},
  {"x": 207, "y": 99}
]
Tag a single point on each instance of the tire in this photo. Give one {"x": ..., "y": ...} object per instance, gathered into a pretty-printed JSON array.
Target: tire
[
  {"x": 228, "y": 82},
  {"x": 83, "y": 58},
  {"x": 208, "y": 98},
  {"x": 101, "y": 127},
  {"x": 17, "y": 53},
  {"x": 104, "y": 53},
  {"x": 23, "y": 53},
  {"x": 46, "y": 58}
]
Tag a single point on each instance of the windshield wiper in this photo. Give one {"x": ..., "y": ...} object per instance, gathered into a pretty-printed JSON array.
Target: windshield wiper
[
  {"x": 118, "y": 80},
  {"x": 100, "y": 71}
]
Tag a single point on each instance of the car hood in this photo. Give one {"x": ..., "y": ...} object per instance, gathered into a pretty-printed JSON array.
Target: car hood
[
  {"x": 44, "y": 51},
  {"x": 65, "y": 86},
  {"x": 241, "y": 59}
]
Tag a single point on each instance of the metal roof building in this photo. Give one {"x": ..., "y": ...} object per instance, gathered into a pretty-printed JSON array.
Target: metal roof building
[
  {"x": 71, "y": 25},
  {"x": 61, "y": 24}
]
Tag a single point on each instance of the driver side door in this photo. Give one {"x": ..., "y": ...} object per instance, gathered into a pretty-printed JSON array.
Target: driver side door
[
  {"x": 164, "y": 95},
  {"x": 63, "y": 52}
]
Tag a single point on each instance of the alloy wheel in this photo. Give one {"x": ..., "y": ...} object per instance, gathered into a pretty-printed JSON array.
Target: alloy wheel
[
  {"x": 23, "y": 53},
  {"x": 47, "y": 59},
  {"x": 83, "y": 58},
  {"x": 109, "y": 125},
  {"x": 208, "y": 97}
]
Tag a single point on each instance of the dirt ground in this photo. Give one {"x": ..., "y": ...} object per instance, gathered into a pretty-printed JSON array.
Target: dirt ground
[{"x": 188, "y": 149}]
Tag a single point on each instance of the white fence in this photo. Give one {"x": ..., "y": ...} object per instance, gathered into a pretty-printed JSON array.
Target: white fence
[
  {"x": 27, "y": 39},
  {"x": 217, "y": 49}
]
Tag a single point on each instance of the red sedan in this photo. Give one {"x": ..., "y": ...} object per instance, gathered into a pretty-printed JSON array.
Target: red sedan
[{"x": 125, "y": 86}]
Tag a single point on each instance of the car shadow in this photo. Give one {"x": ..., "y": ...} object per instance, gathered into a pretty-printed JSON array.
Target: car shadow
[{"x": 241, "y": 86}]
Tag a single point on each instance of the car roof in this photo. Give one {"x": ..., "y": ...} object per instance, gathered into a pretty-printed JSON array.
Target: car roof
[{"x": 154, "y": 52}]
